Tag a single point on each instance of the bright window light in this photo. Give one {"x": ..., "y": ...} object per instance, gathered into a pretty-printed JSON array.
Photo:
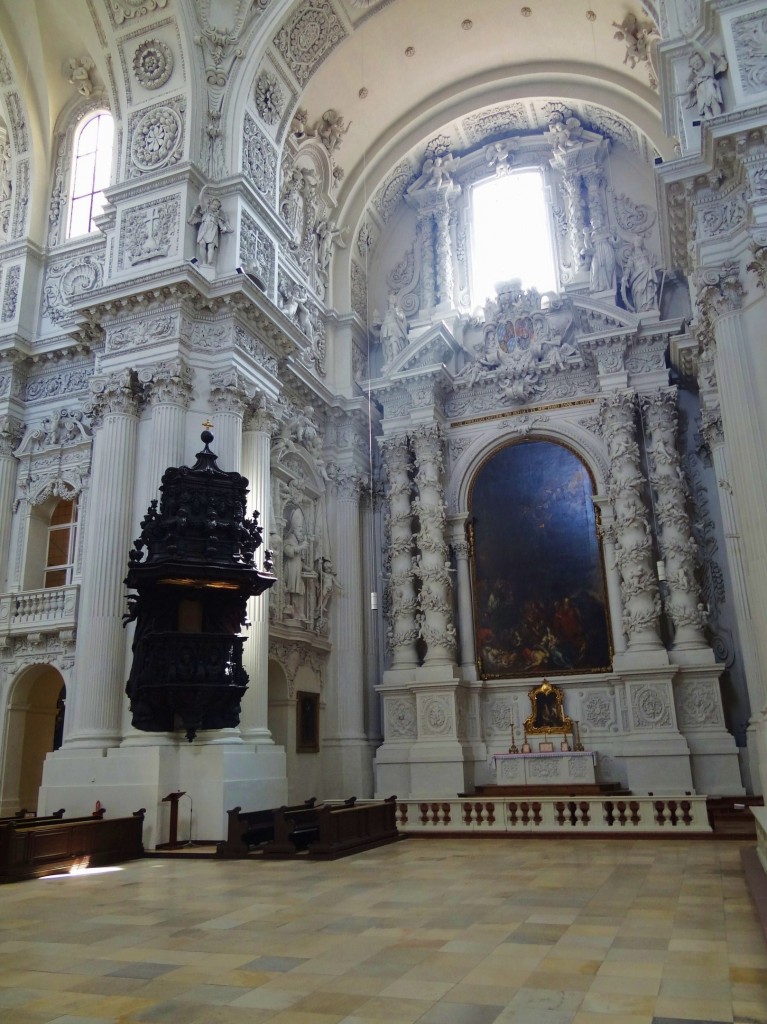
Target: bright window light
[
  {"x": 90, "y": 173},
  {"x": 510, "y": 235}
]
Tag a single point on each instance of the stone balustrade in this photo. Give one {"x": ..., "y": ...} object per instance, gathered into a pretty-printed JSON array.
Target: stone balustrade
[{"x": 54, "y": 608}]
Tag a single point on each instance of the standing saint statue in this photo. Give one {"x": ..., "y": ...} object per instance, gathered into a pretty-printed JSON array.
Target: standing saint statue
[
  {"x": 211, "y": 223},
  {"x": 394, "y": 328},
  {"x": 639, "y": 288},
  {"x": 294, "y": 548}
]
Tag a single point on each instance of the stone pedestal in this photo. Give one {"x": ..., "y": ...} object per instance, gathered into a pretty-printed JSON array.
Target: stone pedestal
[{"x": 218, "y": 774}]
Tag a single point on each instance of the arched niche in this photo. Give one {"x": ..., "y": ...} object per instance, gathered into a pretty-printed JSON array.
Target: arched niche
[
  {"x": 32, "y": 724},
  {"x": 538, "y": 574}
]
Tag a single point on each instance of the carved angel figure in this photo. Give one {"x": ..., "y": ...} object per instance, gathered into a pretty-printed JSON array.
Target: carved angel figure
[
  {"x": 638, "y": 37},
  {"x": 436, "y": 172},
  {"x": 77, "y": 72},
  {"x": 211, "y": 223},
  {"x": 330, "y": 130},
  {"x": 564, "y": 132},
  {"x": 703, "y": 88},
  {"x": 497, "y": 156},
  {"x": 328, "y": 235}
]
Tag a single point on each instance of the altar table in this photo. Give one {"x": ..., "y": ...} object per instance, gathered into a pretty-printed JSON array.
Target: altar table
[{"x": 558, "y": 768}]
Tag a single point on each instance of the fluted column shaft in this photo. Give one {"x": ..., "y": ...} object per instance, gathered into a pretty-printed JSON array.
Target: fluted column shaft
[
  {"x": 468, "y": 653},
  {"x": 346, "y": 709},
  {"x": 168, "y": 386},
  {"x": 93, "y": 713},
  {"x": 630, "y": 530},
  {"x": 256, "y": 452},
  {"x": 10, "y": 434},
  {"x": 735, "y": 561},
  {"x": 402, "y": 632},
  {"x": 675, "y": 539},
  {"x": 434, "y": 604}
]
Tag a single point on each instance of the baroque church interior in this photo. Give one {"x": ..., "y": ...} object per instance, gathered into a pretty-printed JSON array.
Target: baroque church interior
[{"x": 474, "y": 299}]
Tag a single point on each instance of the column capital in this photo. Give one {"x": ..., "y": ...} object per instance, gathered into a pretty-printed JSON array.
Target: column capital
[
  {"x": 230, "y": 392},
  {"x": 168, "y": 382},
  {"x": 11, "y": 431},
  {"x": 719, "y": 290},
  {"x": 112, "y": 394}
]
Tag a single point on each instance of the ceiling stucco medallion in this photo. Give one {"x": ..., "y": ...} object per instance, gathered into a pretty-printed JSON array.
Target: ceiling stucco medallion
[
  {"x": 152, "y": 63},
  {"x": 526, "y": 12},
  {"x": 363, "y": 93},
  {"x": 410, "y": 51},
  {"x": 467, "y": 24}
]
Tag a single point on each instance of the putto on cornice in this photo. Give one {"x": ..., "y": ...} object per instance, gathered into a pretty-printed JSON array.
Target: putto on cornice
[{"x": 640, "y": 37}]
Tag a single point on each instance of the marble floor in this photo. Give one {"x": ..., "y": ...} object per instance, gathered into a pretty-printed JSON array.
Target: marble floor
[{"x": 448, "y": 931}]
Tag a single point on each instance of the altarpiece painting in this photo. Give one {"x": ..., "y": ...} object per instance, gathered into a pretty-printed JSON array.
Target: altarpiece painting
[{"x": 538, "y": 577}]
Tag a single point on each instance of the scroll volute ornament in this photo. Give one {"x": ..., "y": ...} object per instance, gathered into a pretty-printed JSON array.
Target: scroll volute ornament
[{"x": 193, "y": 568}]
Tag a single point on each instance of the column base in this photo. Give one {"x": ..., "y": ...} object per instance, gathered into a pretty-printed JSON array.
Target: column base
[
  {"x": 215, "y": 777},
  {"x": 347, "y": 767},
  {"x": 658, "y": 765}
]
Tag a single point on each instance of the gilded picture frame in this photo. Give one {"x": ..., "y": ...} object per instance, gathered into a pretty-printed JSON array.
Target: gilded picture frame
[{"x": 547, "y": 713}]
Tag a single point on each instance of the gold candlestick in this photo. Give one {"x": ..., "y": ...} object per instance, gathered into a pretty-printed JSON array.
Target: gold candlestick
[{"x": 513, "y": 749}]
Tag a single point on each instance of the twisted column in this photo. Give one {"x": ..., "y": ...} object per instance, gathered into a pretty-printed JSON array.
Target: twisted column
[
  {"x": 630, "y": 530},
  {"x": 675, "y": 540},
  {"x": 402, "y": 632},
  {"x": 93, "y": 712},
  {"x": 576, "y": 219},
  {"x": 434, "y": 600},
  {"x": 428, "y": 275},
  {"x": 444, "y": 255}
]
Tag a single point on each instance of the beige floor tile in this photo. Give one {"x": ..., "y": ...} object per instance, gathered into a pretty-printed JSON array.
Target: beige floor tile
[{"x": 689, "y": 1008}]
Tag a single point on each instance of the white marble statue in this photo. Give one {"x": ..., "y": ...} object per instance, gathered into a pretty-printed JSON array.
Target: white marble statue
[
  {"x": 211, "y": 222},
  {"x": 639, "y": 288},
  {"x": 703, "y": 89},
  {"x": 394, "y": 328}
]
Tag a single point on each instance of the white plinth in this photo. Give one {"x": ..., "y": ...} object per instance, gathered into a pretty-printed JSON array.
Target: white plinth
[
  {"x": 215, "y": 777},
  {"x": 556, "y": 769}
]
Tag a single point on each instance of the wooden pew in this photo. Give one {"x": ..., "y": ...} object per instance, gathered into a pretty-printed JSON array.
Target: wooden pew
[
  {"x": 24, "y": 815},
  {"x": 248, "y": 829},
  {"x": 30, "y": 848},
  {"x": 353, "y": 828},
  {"x": 330, "y": 831}
]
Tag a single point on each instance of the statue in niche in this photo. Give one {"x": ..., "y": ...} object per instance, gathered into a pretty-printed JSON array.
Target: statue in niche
[
  {"x": 393, "y": 331},
  {"x": 294, "y": 547},
  {"x": 211, "y": 222},
  {"x": 602, "y": 245},
  {"x": 639, "y": 288},
  {"x": 703, "y": 89}
]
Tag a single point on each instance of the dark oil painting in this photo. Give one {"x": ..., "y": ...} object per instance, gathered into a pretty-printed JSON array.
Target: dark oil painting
[{"x": 540, "y": 602}]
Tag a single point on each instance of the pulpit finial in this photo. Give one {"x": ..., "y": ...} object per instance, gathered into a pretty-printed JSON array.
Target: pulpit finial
[{"x": 207, "y": 425}]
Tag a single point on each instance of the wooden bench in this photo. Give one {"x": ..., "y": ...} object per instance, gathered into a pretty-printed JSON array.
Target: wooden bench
[
  {"x": 24, "y": 815},
  {"x": 247, "y": 830},
  {"x": 345, "y": 830},
  {"x": 30, "y": 848},
  {"x": 333, "y": 830}
]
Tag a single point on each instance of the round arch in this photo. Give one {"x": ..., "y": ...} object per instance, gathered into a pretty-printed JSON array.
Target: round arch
[{"x": 30, "y": 730}]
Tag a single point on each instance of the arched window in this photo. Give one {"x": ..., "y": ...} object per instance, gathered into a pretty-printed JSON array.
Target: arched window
[
  {"x": 91, "y": 170},
  {"x": 62, "y": 538},
  {"x": 511, "y": 234}
]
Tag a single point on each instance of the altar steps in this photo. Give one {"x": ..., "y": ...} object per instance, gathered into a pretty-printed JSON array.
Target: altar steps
[{"x": 568, "y": 789}]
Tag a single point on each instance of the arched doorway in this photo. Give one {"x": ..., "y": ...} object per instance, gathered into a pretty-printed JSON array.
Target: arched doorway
[{"x": 34, "y": 727}]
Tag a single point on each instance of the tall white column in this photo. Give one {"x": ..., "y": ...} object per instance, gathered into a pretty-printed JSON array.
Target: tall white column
[
  {"x": 462, "y": 551},
  {"x": 229, "y": 398},
  {"x": 94, "y": 706},
  {"x": 256, "y": 451},
  {"x": 168, "y": 386},
  {"x": 10, "y": 435}
]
